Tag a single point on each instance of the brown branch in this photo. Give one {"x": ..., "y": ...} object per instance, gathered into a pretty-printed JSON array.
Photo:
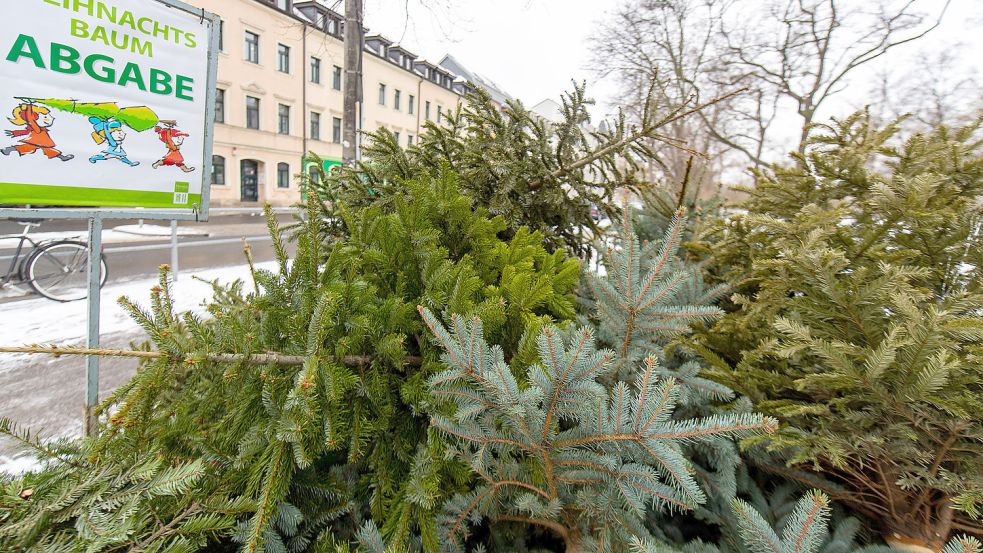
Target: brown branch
[
  {"x": 767, "y": 425},
  {"x": 251, "y": 358},
  {"x": 968, "y": 526},
  {"x": 556, "y": 527},
  {"x": 873, "y": 510},
  {"x": 934, "y": 469},
  {"x": 523, "y": 485},
  {"x": 685, "y": 184}
]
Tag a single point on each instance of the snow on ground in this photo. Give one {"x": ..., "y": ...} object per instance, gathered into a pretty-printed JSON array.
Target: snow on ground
[
  {"x": 42, "y": 321},
  {"x": 158, "y": 230},
  {"x": 14, "y": 290},
  {"x": 19, "y": 464}
]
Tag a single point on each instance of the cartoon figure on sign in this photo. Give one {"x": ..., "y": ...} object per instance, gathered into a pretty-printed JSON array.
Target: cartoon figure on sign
[
  {"x": 173, "y": 138},
  {"x": 110, "y": 132},
  {"x": 36, "y": 120}
]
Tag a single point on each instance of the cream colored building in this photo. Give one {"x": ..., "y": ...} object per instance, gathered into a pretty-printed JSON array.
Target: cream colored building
[{"x": 280, "y": 95}]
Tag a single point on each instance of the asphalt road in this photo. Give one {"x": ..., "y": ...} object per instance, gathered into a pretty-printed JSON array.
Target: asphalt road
[{"x": 221, "y": 247}]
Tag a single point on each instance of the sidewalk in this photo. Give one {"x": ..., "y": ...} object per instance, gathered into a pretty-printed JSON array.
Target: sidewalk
[{"x": 154, "y": 231}]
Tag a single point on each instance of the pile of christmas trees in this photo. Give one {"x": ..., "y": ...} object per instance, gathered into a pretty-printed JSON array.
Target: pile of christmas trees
[{"x": 436, "y": 369}]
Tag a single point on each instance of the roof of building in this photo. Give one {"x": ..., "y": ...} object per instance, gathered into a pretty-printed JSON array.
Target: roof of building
[
  {"x": 548, "y": 109},
  {"x": 453, "y": 65}
]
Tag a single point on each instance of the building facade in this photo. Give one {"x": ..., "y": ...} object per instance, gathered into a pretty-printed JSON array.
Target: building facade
[{"x": 280, "y": 83}]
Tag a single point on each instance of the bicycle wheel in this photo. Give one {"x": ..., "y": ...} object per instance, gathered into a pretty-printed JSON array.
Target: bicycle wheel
[{"x": 60, "y": 270}]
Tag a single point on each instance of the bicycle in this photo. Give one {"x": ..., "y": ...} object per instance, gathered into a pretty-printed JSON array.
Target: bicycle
[{"x": 56, "y": 269}]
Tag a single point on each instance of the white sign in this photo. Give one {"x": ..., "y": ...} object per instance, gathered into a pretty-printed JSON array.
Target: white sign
[{"x": 103, "y": 103}]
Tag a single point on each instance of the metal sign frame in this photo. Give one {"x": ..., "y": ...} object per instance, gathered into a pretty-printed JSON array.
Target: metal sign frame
[
  {"x": 97, "y": 215},
  {"x": 197, "y": 213}
]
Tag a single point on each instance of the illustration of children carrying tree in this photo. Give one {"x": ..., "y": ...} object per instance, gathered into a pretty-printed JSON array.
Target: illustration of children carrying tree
[
  {"x": 110, "y": 132},
  {"x": 36, "y": 120},
  {"x": 173, "y": 138},
  {"x": 107, "y": 120}
]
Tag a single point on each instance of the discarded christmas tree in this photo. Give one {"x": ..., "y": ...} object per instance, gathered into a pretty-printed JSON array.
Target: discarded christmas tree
[
  {"x": 536, "y": 173},
  {"x": 566, "y": 453},
  {"x": 346, "y": 386},
  {"x": 858, "y": 323}
]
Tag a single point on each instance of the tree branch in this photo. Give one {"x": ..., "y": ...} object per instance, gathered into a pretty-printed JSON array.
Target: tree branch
[
  {"x": 647, "y": 130},
  {"x": 555, "y": 527},
  {"x": 274, "y": 358}
]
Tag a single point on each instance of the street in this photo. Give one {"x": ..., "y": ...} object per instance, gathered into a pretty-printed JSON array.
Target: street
[
  {"x": 45, "y": 393},
  {"x": 218, "y": 243}
]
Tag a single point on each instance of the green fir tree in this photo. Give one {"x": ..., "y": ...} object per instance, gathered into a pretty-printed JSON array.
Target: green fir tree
[
  {"x": 547, "y": 176},
  {"x": 858, "y": 324},
  {"x": 565, "y": 453},
  {"x": 320, "y": 364}
]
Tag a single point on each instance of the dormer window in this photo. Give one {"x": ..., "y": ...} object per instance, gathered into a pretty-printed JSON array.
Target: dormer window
[
  {"x": 283, "y": 4},
  {"x": 332, "y": 27}
]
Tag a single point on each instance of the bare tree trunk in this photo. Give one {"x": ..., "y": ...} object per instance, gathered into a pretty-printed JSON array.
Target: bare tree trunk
[{"x": 353, "y": 78}]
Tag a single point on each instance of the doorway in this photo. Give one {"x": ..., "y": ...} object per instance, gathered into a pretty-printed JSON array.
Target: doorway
[{"x": 249, "y": 171}]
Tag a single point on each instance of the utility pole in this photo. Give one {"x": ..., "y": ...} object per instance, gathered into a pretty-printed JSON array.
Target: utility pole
[{"x": 353, "y": 79}]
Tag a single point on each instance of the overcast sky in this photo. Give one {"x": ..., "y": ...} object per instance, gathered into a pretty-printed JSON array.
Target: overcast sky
[{"x": 533, "y": 48}]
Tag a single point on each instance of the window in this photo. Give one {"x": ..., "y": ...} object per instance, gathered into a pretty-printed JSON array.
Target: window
[
  {"x": 221, "y": 35},
  {"x": 252, "y": 112},
  {"x": 283, "y": 58},
  {"x": 336, "y": 130},
  {"x": 332, "y": 27},
  {"x": 283, "y": 119},
  {"x": 283, "y": 4},
  {"x": 252, "y": 47},
  {"x": 440, "y": 114},
  {"x": 336, "y": 78},
  {"x": 396, "y": 99},
  {"x": 411, "y": 104},
  {"x": 315, "y": 126},
  {"x": 218, "y": 170},
  {"x": 315, "y": 70},
  {"x": 282, "y": 175},
  {"x": 313, "y": 174},
  {"x": 396, "y": 134},
  {"x": 409, "y": 140},
  {"x": 426, "y": 110},
  {"x": 219, "y": 105},
  {"x": 382, "y": 94}
]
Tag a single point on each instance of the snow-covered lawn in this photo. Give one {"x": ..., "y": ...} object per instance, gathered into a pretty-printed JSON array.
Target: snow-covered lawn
[{"x": 41, "y": 321}]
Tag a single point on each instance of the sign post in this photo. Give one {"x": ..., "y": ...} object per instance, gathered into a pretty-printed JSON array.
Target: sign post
[
  {"x": 89, "y": 422},
  {"x": 111, "y": 113}
]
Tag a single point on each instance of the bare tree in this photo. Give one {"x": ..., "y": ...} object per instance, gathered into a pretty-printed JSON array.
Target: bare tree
[
  {"x": 790, "y": 57},
  {"x": 805, "y": 50},
  {"x": 931, "y": 94},
  {"x": 664, "y": 53}
]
